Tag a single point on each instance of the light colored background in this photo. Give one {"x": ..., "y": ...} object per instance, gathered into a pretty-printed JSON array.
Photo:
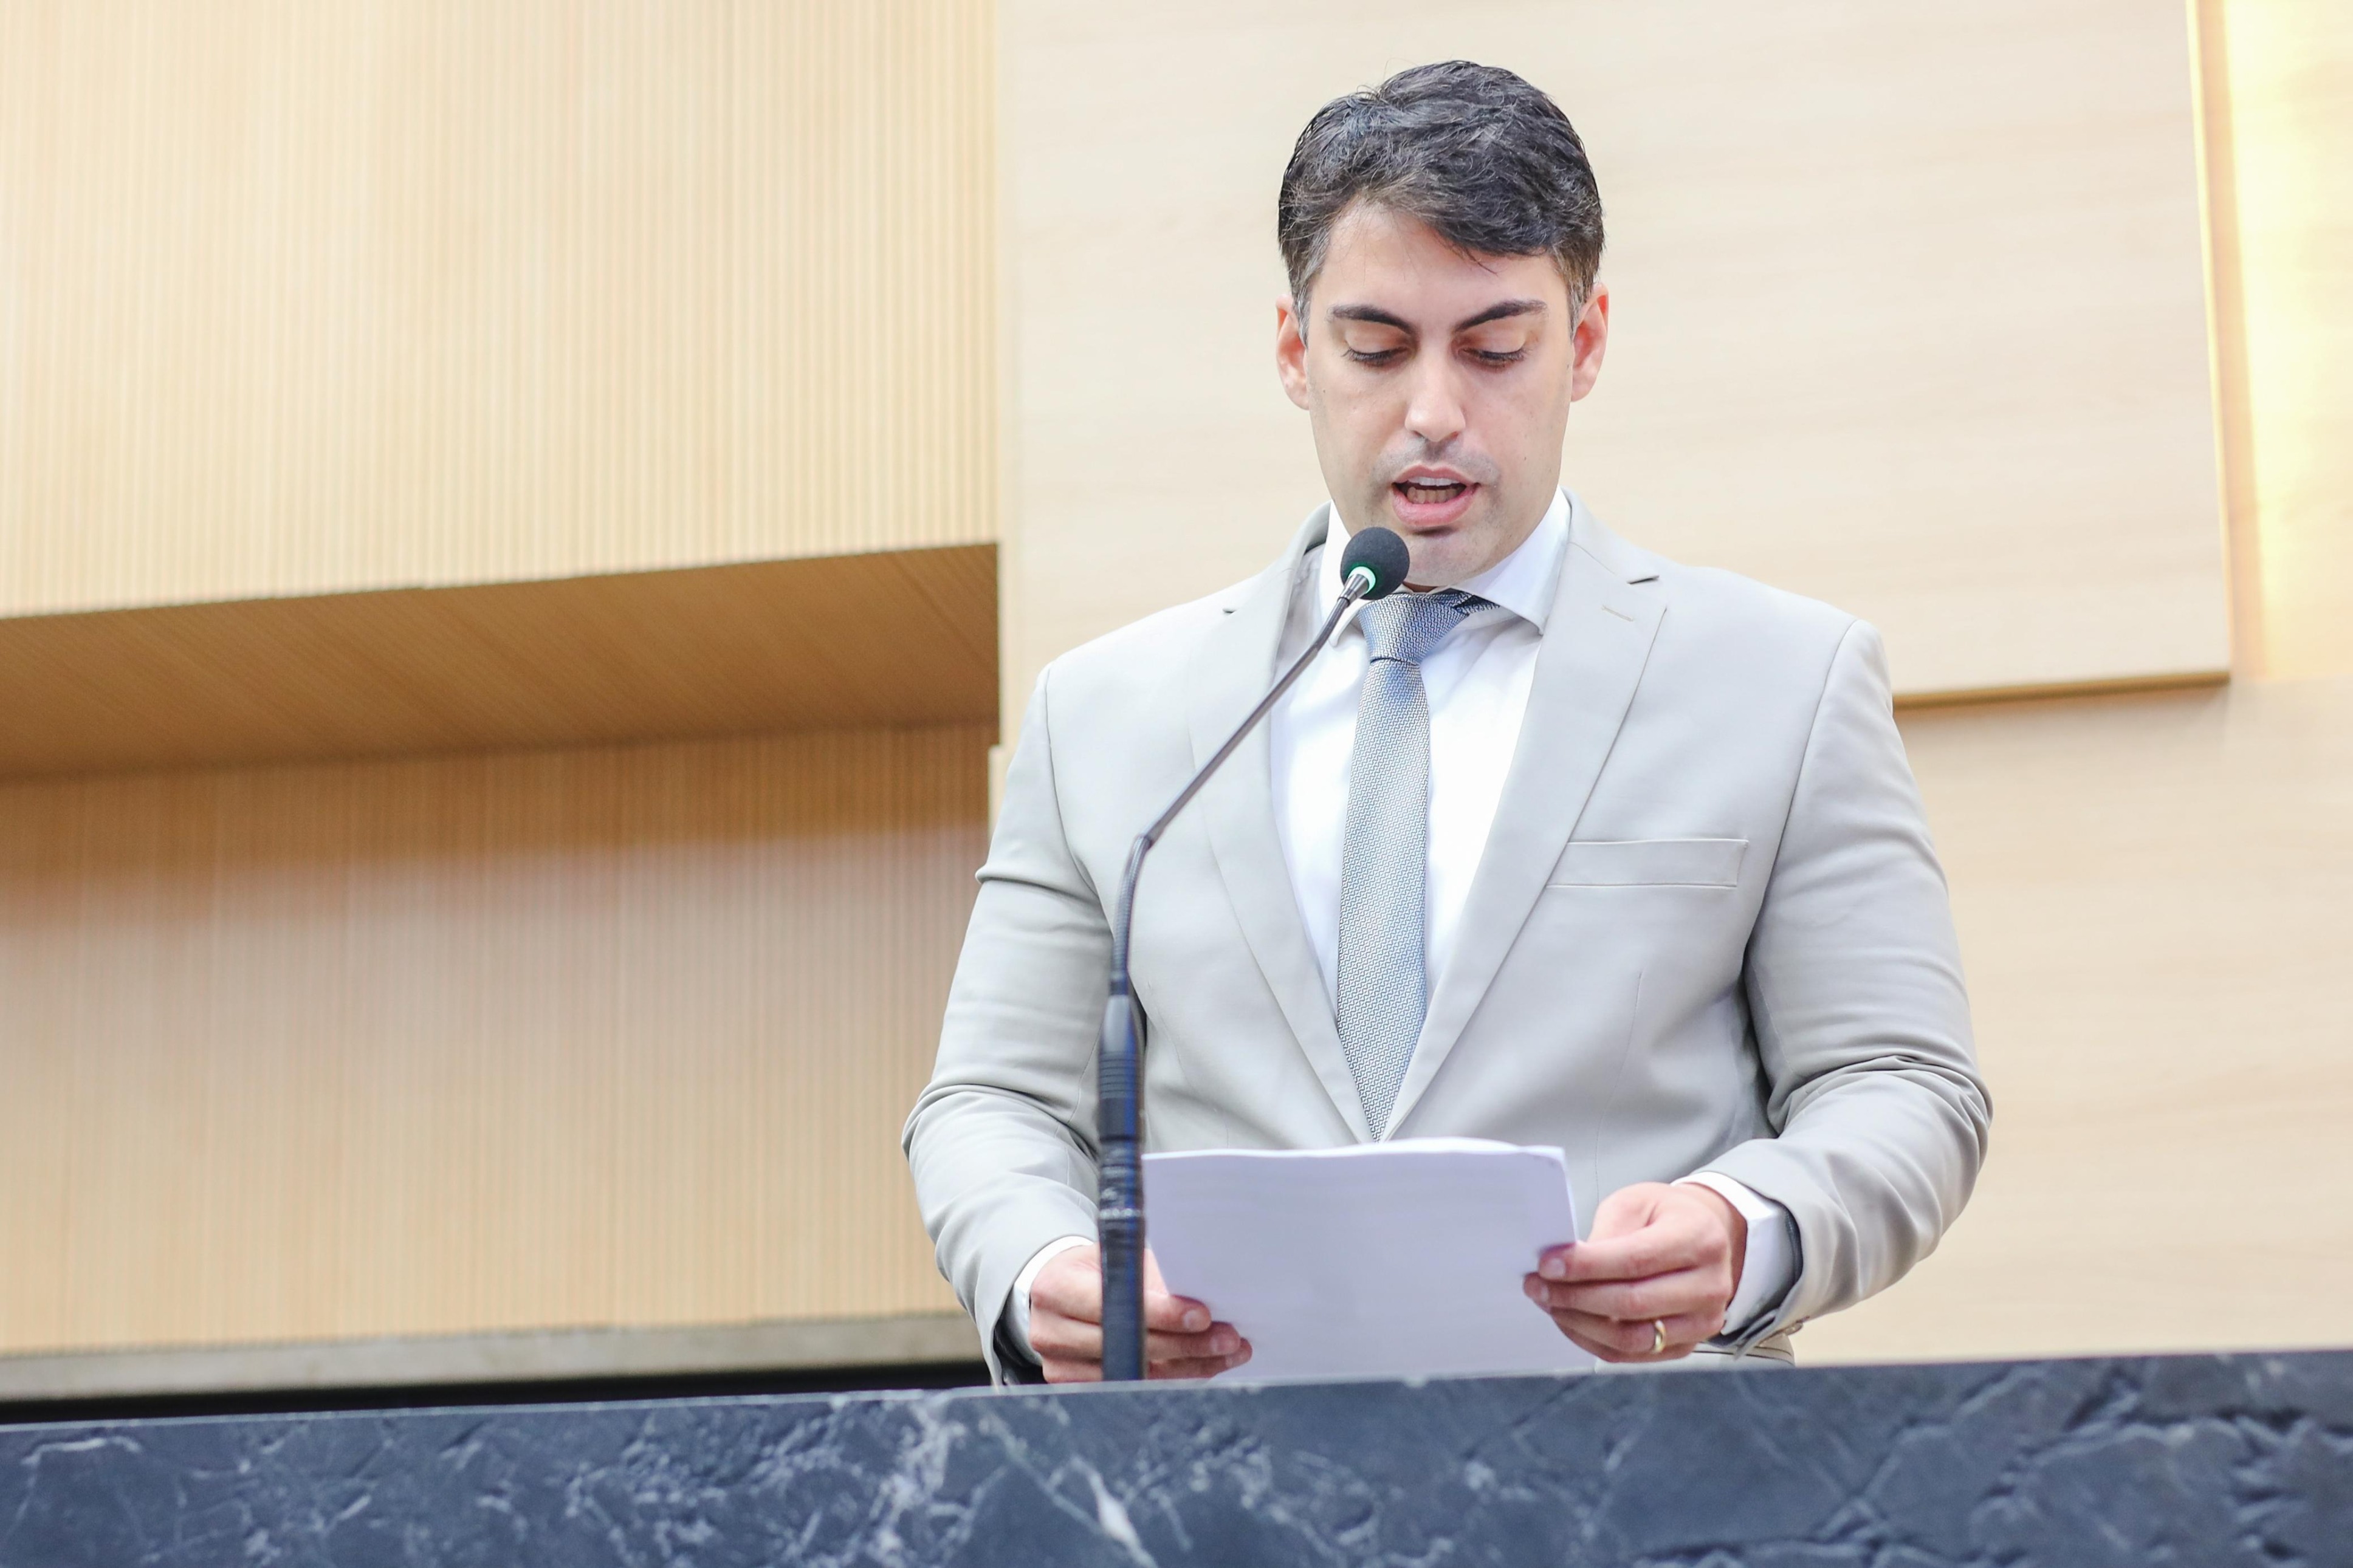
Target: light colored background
[
  {"x": 2156, "y": 893},
  {"x": 533, "y": 1038},
  {"x": 300, "y": 298},
  {"x": 339, "y": 299},
  {"x": 1909, "y": 309},
  {"x": 328, "y": 299}
]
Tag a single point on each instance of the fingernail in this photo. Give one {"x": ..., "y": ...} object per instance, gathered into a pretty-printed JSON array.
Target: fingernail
[
  {"x": 1554, "y": 1268},
  {"x": 1223, "y": 1342},
  {"x": 1241, "y": 1355},
  {"x": 1197, "y": 1320}
]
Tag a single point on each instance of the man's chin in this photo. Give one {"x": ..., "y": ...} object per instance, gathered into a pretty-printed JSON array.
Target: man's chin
[
  {"x": 1440, "y": 563},
  {"x": 1443, "y": 555}
]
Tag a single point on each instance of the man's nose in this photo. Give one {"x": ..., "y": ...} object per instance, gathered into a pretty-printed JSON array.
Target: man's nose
[{"x": 1434, "y": 411}]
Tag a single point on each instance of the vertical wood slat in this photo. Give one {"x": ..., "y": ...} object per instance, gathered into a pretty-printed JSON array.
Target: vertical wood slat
[
  {"x": 613, "y": 1036},
  {"x": 306, "y": 298}
]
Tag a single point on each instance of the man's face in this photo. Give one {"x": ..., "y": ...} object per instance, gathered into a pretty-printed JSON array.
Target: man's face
[{"x": 1439, "y": 386}]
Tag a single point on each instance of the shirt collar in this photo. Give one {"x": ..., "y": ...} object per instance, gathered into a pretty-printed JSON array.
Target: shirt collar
[{"x": 1523, "y": 581}]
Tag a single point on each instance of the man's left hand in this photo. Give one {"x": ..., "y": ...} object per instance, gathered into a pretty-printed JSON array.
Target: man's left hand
[{"x": 1658, "y": 1255}]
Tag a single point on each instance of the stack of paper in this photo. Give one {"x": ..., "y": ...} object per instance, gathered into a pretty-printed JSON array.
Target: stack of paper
[{"x": 1376, "y": 1260}]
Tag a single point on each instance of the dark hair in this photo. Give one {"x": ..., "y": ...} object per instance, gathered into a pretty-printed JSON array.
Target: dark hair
[{"x": 1484, "y": 159}]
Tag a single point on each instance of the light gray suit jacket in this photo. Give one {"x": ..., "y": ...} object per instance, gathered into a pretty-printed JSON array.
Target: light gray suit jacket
[{"x": 1709, "y": 932}]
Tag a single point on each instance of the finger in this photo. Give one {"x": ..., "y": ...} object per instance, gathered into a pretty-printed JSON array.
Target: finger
[
  {"x": 1688, "y": 1326},
  {"x": 1606, "y": 1338},
  {"x": 1201, "y": 1366},
  {"x": 1165, "y": 1310},
  {"x": 1678, "y": 1241},
  {"x": 1053, "y": 1335},
  {"x": 1060, "y": 1371},
  {"x": 1165, "y": 1313},
  {"x": 1632, "y": 1342},
  {"x": 1076, "y": 1292},
  {"x": 1220, "y": 1340},
  {"x": 1695, "y": 1292},
  {"x": 1603, "y": 1352},
  {"x": 1610, "y": 1344},
  {"x": 1688, "y": 1291},
  {"x": 1623, "y": 1341}
]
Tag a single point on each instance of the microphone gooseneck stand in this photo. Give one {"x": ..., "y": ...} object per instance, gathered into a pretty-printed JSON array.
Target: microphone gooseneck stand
[{"x": 1373, "y": 567}]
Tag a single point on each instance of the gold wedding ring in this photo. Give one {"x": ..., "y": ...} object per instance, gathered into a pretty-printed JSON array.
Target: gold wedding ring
[{"x": 1658, "y": 1336}]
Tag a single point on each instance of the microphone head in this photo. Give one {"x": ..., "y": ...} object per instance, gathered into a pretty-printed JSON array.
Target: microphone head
[{"x": 1380, "y": 554}]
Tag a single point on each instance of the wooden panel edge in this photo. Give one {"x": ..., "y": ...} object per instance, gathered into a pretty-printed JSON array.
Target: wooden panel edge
[
  {"x": 2125, "y": 686},
  {"x": 871, "y": 639},
  {"x": 780, "y": 1345}
]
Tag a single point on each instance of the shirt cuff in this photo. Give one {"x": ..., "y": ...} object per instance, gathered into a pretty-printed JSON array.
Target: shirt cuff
[
  {"x": 1769, "y": 1267},
  {"x": 1016, "y": 1310}
]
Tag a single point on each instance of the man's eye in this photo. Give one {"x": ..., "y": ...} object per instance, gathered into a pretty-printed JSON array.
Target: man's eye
[
  {"x": 1499, "y": 356},
  {"x": 1371, "y": 357}
]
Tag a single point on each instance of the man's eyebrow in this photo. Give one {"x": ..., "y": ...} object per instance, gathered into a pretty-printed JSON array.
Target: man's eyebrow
[
  {"x": 1507, "y": 308},
  {"x": 1372, "y": 313},
  {"x": 1501, "y": 311}
]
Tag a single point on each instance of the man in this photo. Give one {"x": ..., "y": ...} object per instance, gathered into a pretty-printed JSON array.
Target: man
[{"x": 1567, "y": 845}]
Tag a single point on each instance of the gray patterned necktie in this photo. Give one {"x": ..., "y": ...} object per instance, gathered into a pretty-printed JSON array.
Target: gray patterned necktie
[{"x": 1384, "y": 860}]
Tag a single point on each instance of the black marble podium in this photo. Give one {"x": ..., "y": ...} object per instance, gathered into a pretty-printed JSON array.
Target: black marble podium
[{"x": 2175, "y": 1460}]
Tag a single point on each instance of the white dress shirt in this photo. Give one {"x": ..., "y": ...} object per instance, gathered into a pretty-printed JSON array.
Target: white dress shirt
[{"x": 1477, "y": 682}]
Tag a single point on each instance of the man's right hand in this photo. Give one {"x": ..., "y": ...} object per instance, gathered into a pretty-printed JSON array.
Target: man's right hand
[{"x": 1066, "y": 1324}]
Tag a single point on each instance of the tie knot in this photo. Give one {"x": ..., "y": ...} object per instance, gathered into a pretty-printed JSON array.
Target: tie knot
[{"x": 1408, "y": 627}]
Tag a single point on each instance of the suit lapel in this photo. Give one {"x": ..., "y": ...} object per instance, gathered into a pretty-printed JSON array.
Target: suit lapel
[
  {"x": 1597, "y": 640},
  {"x": 1231, "y": 675}
]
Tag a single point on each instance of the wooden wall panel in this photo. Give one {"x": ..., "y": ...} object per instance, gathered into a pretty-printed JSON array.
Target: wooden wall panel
[
  {"x": 2155, "y": 897},
  {"x": 306, "y": 298},
  {"x": 603, "y": 1037},
  {"x": 1909, "y": 309},
  {"x": 899, "y": 638}
]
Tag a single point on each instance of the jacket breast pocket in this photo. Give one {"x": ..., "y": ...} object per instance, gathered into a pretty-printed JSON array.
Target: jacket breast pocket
[{"x": 1649, "y": 863}]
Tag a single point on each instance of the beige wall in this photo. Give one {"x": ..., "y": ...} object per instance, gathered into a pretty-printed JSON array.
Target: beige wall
[
  {"x": 1909, "y": 309},
  {"x": 2155, "y": 894},
  {"x": 303, "y": 298},
  {"x": 615, "y": 1035}
]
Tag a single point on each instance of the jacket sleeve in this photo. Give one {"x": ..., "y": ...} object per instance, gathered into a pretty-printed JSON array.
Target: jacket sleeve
[
  {"x": 1002, "y": 1142},
  {"x": 1854, "y": 990}
]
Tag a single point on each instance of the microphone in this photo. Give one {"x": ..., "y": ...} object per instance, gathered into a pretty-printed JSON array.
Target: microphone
[{"x": 1372, "y": 566}]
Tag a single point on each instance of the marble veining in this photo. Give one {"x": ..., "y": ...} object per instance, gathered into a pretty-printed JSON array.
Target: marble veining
[{"x": 2188, "y": 1460}]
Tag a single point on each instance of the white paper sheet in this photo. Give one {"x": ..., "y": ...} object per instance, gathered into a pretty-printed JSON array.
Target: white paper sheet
[{"x": 1375, "y": 1260}]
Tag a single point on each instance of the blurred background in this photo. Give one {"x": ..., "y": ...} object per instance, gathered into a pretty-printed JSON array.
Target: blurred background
[{"x": 523, "y": 526}]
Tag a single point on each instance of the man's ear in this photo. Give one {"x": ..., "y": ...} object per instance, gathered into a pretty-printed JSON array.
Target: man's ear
[
  {"x": 1592, "y": 342},
  {"x": 1291, "y": 351}
]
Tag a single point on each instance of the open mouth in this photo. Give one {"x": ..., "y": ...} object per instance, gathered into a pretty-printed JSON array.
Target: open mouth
[{"x": 1423, "y": 502}]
